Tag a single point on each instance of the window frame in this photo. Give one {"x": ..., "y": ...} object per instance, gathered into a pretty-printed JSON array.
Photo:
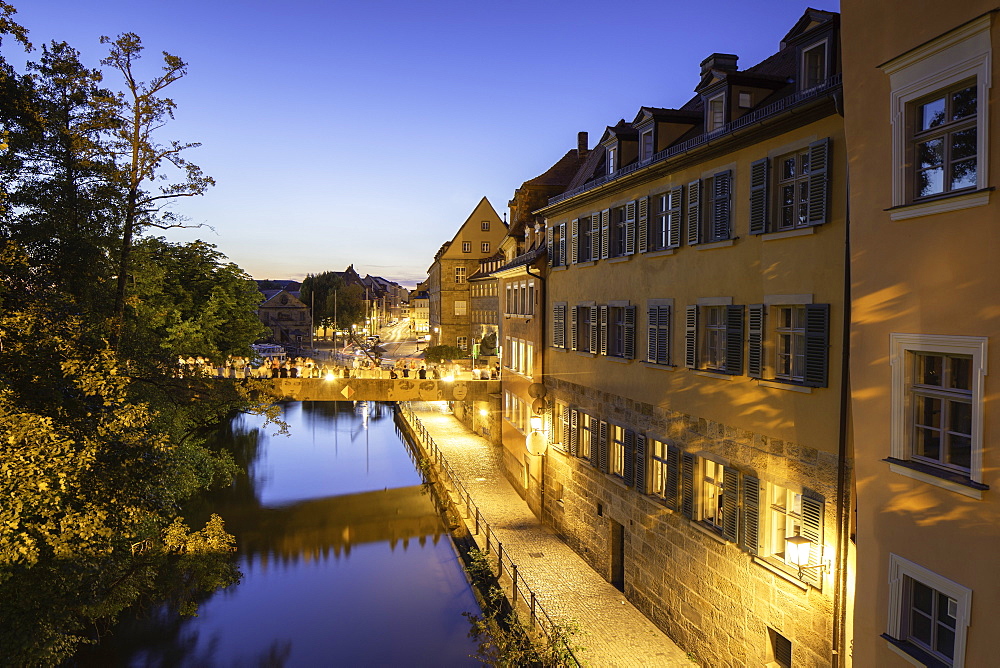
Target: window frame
[
  {"x": 943, "y": 132},
  {"x": 466, "y": 246},
  {"x": 901, "y": 347},
  {"x": 484, "y": 226},
  {"x": 806, "y": 82},
  {"x": 964, "y": 53},
  {"x": 659, "y": 331},
  {"x": 460, "y": 275},
  {"x": 484, "y": 247},
  {"x": 902, "y": 571},
  {"x": 715, "y": 119}
]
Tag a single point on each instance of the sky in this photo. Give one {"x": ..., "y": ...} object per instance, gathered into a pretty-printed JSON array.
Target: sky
[{"x": 365, "y": 132}]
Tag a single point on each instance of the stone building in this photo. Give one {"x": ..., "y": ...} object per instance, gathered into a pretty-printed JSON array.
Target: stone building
[
  {"x": 448, "y": 293},
  {"x": 419, "y": 310},
  {"x": 286, "y": 317},
  {"x": 694, "y": 359},
  {"x": 921, "y": 129}
]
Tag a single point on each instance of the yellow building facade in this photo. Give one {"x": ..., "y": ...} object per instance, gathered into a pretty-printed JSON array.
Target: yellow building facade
[
  {"x": 922, "y": 132},
  {"x": 694, "y": 360}
]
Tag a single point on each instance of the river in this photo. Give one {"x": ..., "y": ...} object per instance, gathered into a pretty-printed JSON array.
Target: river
[{"x": 344, "y": 560}]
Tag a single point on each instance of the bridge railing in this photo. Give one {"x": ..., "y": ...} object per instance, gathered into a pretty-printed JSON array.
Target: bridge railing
[{"x": 520, "y": 595}]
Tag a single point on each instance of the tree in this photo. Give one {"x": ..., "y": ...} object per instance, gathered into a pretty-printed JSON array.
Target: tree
[
  {"x": 61, "y": 190},
  {"x": 335, "y": 302},
  {"x": 140, "y": 112}
]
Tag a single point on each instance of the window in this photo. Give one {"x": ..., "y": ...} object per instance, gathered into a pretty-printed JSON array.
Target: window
[
  {"x": 461, "y": 307},
  {"x": 709, "y": 208},
  {"x": 646, "y": 145},
  {"x": 799, "y": 336},
  {"x": 712, "y": 486},
  {"x": 616, "y": 461},
  {"x": 612, "y": 156},
  {"x": 713, "y": 337},
  {"x": 813, "y": 66},
  {"x": 621, "y": 331},
  {"x": 559, "y": 325},
  {"x": 463, "y": 342},
  {"x": 944, "y": 141},
  {"x": 485, "y": 226},
  {"x": 485, "y": 248},
  {"x": 664, "y": 461},
  {"x": 618, "y": 232},
  {"x": 658, "y": 332},
  {"x": 937, "y": 409},
  {"x": 780, "y": 649},
  {"x": 716, "y": 110},
  {"x": 584, "y": 329},
  {"x": 745, "y": 100},
  {"x": 929, "y": 615},
  {"x": 466, "y": 246},
  {"x": 800, "y": 190},
  {"x": 585, "y": 427},
  {"x": 939, "y": 120},
  {"x": 459, "y": 274},
  {"x": 584, "y": 247},
  {"x": 665, "y": 232},
  {"x": 556, "y": 245}
]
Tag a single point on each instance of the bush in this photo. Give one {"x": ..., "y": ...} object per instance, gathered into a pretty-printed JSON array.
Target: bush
[{"x": 442, "y": 353}]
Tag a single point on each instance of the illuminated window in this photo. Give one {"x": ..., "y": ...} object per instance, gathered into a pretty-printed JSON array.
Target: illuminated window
[
  {"x": 616, "y": 451},
  {"x": 712, "y": 496},
  {"x": 459, "y": 274}
]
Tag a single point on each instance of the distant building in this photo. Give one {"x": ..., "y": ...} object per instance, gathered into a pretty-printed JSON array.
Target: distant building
[
  {"x": 287, "y": 317},
  {"x": 448, "y": 276},
  {"x": 420, "y": 310}
]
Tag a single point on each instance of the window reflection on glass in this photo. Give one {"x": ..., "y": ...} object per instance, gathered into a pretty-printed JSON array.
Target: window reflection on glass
[
  {"x": 945, "y": 143},
  {"x": 941, "y": 399}
]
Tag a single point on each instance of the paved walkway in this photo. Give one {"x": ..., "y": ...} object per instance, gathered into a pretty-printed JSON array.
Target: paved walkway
[{"x": 613, "y": 631}]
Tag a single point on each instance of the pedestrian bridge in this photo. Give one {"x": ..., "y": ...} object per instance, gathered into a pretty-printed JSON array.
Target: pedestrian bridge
[{"x": 383, "y": 389}]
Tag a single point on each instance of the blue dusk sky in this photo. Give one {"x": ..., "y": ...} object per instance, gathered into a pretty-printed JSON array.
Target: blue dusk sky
[{"x": 366, "y": 132}]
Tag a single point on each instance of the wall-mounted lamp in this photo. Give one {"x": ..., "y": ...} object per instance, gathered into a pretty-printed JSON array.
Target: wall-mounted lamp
[
  {"x": 797, "y": 549},
  {"x": 536, "y": 422}
]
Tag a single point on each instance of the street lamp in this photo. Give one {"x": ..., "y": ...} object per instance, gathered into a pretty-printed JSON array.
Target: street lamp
[{"x": 797, "y": 550}]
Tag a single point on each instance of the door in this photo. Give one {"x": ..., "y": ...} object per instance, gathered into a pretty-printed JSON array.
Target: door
[{"x": 617, "y": 555}]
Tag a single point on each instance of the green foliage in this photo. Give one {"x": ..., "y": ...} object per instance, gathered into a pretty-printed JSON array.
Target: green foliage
[
  {"x": 336, "y": 303},
  {"x": 439, "y": 354},
  {"x": 101, "y": 440},
  {"x": 503, "y": 640}
]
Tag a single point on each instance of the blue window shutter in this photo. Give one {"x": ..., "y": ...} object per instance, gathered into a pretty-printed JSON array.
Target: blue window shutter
[
  {"x": 687, "y": 485},
  {"x": 574, "y": 245},
  {"x": 595, "y": 443},
  {"x": 755, "y": 341},
  {"x": 628, "y": 466},
  {"x": 642, "y": 225},
  {"x": 812, "y": 528},
  {"x": 722, "y": 206},
  {"x": 750, "y": 538},
  {"x": 603, "y": 328},
  {"x": 819, "y": 182},
  {"x": 734, "y": 340},
  {"x": 628, "y": 345},
  {"x": 574, "y": 431},
  {"x": 671, "y": 493},
  {"x": 674, "y": 224},
  {"x": 730, "y": 503},
  {"x": 691, "y": 337},
  {"x": 817, "y": 344},
  {"x": 602, "y": 445},
  {"x": 694, "y": 212},
  {"x": 630, "y": 228},
  {"x": 759, "y": 177},
  {"x": 641, "y": 484}
]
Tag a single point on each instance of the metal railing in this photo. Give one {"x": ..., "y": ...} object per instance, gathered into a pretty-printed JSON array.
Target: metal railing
[
  {"x": 747, "y": 119},
  {"x": 521, "y": 597}
]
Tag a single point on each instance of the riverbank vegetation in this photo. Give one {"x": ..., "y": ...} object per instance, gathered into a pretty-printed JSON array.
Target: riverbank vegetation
[{"x": 101, "y": 438}]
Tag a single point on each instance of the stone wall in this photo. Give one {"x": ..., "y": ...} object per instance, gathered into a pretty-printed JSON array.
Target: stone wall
[{"x": 714, "y": 599}]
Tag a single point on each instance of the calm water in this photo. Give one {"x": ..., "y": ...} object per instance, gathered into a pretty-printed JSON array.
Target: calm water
[{"x": 344, "y": 561}]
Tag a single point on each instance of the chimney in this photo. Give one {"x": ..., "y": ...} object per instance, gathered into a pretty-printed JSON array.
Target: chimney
[
  {"x": 581, "y": 142},
  {"x": 719, "y": 61}
]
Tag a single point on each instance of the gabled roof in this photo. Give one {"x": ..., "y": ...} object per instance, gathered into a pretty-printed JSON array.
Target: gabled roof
[
  {"x": 275, "y": 300},
  {"x": 810, "y": 19},
  {"x": 622, "y": 130},
  {"x": 661, "y": 115}
]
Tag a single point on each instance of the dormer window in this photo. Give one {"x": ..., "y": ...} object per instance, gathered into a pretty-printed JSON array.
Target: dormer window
[
  {"x": 814, "y": 65},
  {"x": 612, "y": 160},
  {"x": 646, "y": 145},
  {"x": 716, "y": 113}
]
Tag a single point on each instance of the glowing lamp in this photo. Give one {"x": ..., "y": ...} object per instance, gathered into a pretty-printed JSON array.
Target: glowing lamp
[
  {"x": 536, "y": 422},
  {"x": 797, "y": 550},
  {"x": 483, "y": 412}
]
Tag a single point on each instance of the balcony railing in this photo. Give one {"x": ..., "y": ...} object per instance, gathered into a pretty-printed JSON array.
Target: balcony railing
[{"x": 750, "y": 118}]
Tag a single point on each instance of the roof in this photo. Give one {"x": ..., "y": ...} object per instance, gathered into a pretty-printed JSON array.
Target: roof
[{"x": 521, "y": 260}]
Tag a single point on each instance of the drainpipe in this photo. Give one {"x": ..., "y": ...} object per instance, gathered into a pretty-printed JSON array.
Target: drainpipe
[
  {"x": 844, "y": 469},
  {"x": 541, "y": 366}
]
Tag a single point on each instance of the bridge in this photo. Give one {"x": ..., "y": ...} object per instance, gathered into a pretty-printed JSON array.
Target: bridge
[{"x": 383, "y": 389}]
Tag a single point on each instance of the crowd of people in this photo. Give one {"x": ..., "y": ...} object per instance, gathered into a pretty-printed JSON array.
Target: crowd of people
[{"x": 345, "y": 367}]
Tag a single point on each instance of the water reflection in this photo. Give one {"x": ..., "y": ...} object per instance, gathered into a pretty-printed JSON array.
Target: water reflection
[{"x": 345, "y": 561}]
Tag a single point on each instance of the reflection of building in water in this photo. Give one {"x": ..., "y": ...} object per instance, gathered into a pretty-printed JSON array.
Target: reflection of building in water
[{"x": 311, "y": 530}]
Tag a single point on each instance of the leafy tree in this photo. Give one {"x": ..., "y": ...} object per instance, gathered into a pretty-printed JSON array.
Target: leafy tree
[
  {"x": 442, "y": 353},
  {"x": 336, "y": 303},
  {"x": 140, "y": 112}
]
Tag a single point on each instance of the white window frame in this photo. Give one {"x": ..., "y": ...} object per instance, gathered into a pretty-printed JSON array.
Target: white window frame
[
  {"x": 462, "y": 342},
  {"x": 824, "y": 47},
  {"x": 466, "y": 246},
  {"x": 709, "y": 113},
  {"x": 899, "y": 570},
  {"x": 616, "y": 450},
  {"x": 773, "y": 544},
  {"x": 459, "y": 275},
  {"x": 963, "y": 53},
  {"x": 485, "y": 226},
  {"x": 485, "y": 247},
  {"x": 900, "y": 344},
  {"x": 461, "y": 307}
]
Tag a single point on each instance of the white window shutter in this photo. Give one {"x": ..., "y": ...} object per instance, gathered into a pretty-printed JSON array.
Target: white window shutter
[
  {"x": 605, "y": 233},
  {"x": 674, "y": 220},
  {"x": 630, "y": 228},
  {"x": 694, "y": 212},
  {"x": 574, "y": 243}
]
